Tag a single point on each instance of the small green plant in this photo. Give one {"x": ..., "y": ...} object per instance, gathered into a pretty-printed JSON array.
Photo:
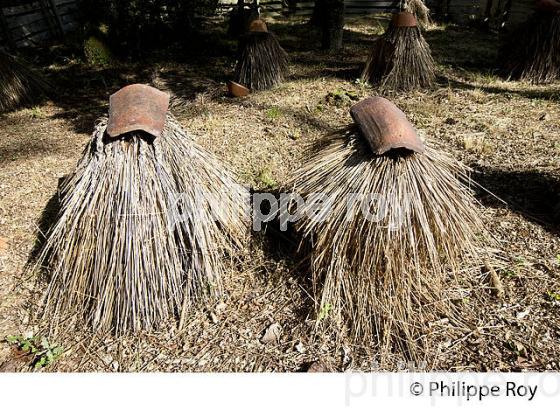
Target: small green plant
[
  {"x": 44, "y": 352},
  {"x": 509, "y": 273},
  {"x": 341, "y": 97},
  {"x": 266, "y": 179},
  {"x": 273, "y": 113},
  {"x": 325, "y": 311},
  {"x": 104, "y": 29},
  {"x": 97, "y": 53},
  {"x": 361, "y": 83},
  {"x": 520, "y": 261},
  {"x": 517, "y": 348},
  {"x": 37, "y": 112},
  {"x": 515, "y": 270},
  {"x": 553, "y": 296}
]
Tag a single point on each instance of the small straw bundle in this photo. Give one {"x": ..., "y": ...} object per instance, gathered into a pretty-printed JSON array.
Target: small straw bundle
[
  {"x": 401, "y": 58},
  {"x": 19, "y": 85},
  {"x": 386, "y": 278},
  {"x": 532, "y": 52},
  {"x": 262, "y": 62},
  {"x": 420, "y": 10},
  {"x": 143, "y": 229}
]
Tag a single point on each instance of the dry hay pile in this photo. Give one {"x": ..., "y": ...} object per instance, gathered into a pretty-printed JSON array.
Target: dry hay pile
[
  {"x": 532, "y": 52},
  {"x": 401, "y": 59},
  {"x": 144, "y": 231},
  {"x": 19, "y": 85},
  {"x": 420, "y": 10},
  {"x": 262, "y": 62},
  {"x": 386, "y": 278}
]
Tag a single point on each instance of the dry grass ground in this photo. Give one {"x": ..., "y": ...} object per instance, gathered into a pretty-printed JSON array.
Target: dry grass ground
[{"x": 509, "y": 132}]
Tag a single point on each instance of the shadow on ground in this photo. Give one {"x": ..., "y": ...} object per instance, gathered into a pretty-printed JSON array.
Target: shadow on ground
[
  {"x": 282, "y": 245},
  {"x": 46, "y": 221},
  {"x": 544, "y": 93},
  {"x": 531, "y": 194}
]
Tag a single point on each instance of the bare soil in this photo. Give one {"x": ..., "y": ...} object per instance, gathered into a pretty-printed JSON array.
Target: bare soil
[{"x": 509, "y": 132}]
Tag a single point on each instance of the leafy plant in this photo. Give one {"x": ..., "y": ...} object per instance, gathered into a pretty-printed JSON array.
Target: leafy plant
[
  {"x": 520, "y": 261},
  {"x": 325, "y": 311},
  {"x": 515, "y": 270},
  {"x": 266, "y": 179},
  {"x": 553, "y": 296},
  {"x": 37, "y": 112},
  {"x": 516, "y": 347},
  {"x": 341, "y": 97},
  {"x": 361, "y": 83},
  {"x": 508, "y": 273},
  {"x": 44, "y": 352},
  {"x": 97, "y": 53},
  {"x": 273, "y": 113}
]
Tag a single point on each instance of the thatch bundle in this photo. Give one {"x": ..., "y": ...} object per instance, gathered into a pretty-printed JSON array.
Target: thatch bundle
[
  {"x": 532, "y": 52},
  {"x": 144, "y": 226},
  {"x": 262, "y": 62},
  {"x": 420, "y": 10},
  {"x": 401, "y": 58},
  {"x": 399, "y": 223},
  {"x": 19, "y": 85}
]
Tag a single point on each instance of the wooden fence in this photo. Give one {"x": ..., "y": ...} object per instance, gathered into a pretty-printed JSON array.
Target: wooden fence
[
  {"x": 459, "y": 11},
  {"x": 31, "y": 22},
  {"x": 274, "y": 8},
  {"x": 510, "y": 12}
]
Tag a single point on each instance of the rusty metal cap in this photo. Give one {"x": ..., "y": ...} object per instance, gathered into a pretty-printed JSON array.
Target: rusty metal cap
[
  {"x": 385, "y": 126},
  {"x": 137, "y": 107},
  {"x": 258, "y": 25},
  {"x": 404, "y": 19}
]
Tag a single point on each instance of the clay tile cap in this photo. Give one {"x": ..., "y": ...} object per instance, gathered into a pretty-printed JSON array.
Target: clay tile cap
[
  {"x": 404, "y": 19},
  {"x": 258, "y": 25},
  {"x": 237, "y": 90},
  {"x": 137, "y": 107},
  {"x": 385, "y": 126}
]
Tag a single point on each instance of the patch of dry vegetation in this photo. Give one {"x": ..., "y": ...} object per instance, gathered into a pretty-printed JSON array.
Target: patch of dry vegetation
[{"x": 517, "y": 158}]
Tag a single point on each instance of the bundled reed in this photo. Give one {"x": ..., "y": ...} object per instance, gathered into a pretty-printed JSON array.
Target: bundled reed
[
  {"x": 19, "y": 85},
  {"x": 401, "y": 58},
  {"x": 145, "y": 231},
  {"x": 262, "y": 62},
  {"x": 382, "y": 270},
  {"x": 532, "y": 52},
  {"x": 420, "y": 10}
]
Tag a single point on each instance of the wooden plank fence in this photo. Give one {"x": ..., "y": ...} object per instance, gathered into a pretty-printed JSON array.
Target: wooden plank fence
[
  {"x": 511, "y": 12},
  {"x": 459, "y": 11},
  {"x": 32, "y": 22},
  {"x": 276, "y": 8}
]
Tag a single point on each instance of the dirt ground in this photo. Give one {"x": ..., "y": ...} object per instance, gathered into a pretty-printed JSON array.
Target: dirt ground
[{"x": 509, "y": 132}]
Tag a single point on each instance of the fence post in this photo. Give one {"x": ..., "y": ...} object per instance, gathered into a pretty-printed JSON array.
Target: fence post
[
  {"x": 45, "y": 7},
  {"x": 57, "y": 17}
]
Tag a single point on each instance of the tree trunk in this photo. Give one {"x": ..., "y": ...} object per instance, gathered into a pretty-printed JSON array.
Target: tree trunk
[
  {"x": 316, "y": 16},
  {"x": 185, "y": 20},
  {"x": 236, "y": 19},
  {"x": 332, "y": 24}
]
